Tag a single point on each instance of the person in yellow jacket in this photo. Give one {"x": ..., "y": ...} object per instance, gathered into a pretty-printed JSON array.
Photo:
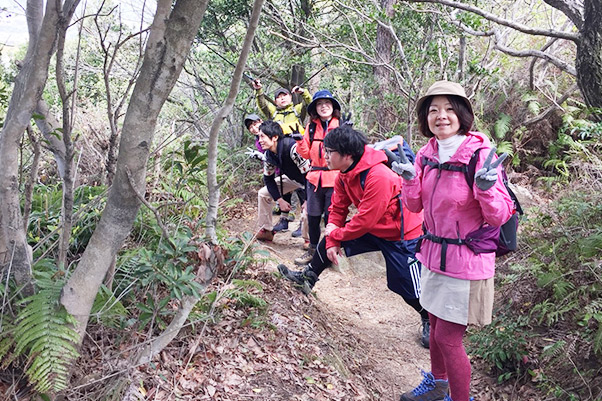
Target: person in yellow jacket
[{"x": 287, "y": 114}]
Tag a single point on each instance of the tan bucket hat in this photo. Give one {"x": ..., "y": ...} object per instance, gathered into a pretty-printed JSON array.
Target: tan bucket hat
[{"x": 445, "y": 88}]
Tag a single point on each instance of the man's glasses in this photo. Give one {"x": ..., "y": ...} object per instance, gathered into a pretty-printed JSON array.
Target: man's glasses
[{"x": 328, "y": 151}]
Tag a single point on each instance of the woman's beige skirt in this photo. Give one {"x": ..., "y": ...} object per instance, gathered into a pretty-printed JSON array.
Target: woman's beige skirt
[{"x": 456, "y": 300}]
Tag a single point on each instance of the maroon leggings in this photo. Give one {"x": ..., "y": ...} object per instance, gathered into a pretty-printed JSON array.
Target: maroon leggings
[{"x": 448, "y": 357}]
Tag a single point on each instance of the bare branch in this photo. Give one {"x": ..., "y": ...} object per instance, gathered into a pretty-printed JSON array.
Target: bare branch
[
  {"x": 502, "y": 21},
  {"x": 569, "y": 8},
  {"x": 536, "y": 53}
]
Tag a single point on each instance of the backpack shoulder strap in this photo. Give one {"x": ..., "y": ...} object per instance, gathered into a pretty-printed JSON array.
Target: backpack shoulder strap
[
  {"x": 312, "y": 132},
  {"x": 363, "y": 175},
  {"x": 472, "y": 168},
  {"x": 443, "y": 166}
]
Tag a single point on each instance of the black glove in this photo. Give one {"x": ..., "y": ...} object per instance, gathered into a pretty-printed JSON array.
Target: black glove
[
  {"x": 346, "y": 120},
  {"x": 295, "y": 134}
]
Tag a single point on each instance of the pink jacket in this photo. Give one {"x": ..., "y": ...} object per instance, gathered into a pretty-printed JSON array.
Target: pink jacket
[{"x": 452, "y": 209}]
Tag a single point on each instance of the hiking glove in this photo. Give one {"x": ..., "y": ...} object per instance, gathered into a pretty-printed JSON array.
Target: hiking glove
[
  {"x": 487, "y": 175},
  {"x": 295, "y": 134},
  {"x": 401, "y": 165},
  {"x": 346, "y": 120},
  {"x": 255, "y": 154}
]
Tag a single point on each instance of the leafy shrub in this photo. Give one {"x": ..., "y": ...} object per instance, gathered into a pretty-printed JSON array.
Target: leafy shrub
[
  {"x": 44, "y": 221},
  {"x": 557, "y": 289},
  {"x": 503, "y": 344}
]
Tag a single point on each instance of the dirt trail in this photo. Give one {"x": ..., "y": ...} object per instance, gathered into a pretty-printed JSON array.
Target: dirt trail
[{"x": 355, "y": 294}]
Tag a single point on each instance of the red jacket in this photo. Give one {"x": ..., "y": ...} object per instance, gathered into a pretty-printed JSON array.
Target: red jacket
[
  {"x": 378, "y": 209},
  {"x": 315, "y": 152}
]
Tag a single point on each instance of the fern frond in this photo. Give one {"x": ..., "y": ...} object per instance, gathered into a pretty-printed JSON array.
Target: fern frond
[
  {"x": 502, "y": 126},
  {"x": 505, "y": 147},
  {"x": 7, "y": 341},
  {"x": 44, "y": 332}
]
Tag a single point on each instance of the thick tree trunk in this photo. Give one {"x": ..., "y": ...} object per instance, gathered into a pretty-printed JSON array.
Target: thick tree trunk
[
  {"x": 171, "y": 36},
  {"x": 387, "y": 117},
  {"x": 29, "y": 84},
  {"x": 589, "y": 55},
  {"x": 33, "y": 175}
]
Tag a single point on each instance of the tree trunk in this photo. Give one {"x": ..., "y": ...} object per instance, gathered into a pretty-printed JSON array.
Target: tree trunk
[
  {"x": 387, "y": 117},
  {"x": 461, "y": 59},
  {"x": 212, "y": 185},
  {"x": 169, "y": 42},
  {"x": 33, "y": 175},
  {"x": 68, "y": 101},
  {"x": 47, "y": 125},
  {"x": 29, "y": 84},
  {"x": 589, "y": 55},
  {"x": 297, "y": 78}
]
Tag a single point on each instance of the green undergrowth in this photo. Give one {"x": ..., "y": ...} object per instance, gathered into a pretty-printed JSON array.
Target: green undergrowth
[{"x": 548, "y": 315}]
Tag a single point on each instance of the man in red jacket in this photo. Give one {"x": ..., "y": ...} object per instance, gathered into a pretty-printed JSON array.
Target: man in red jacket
[{"x": 379, "y": 224}]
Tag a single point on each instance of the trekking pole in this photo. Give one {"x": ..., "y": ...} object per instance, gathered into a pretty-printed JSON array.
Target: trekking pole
[
  {"x": 229, "y": 62},
  {"x": 314, "y": 74}
]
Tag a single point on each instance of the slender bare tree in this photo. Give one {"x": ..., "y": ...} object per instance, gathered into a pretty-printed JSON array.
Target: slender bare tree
[
  {"x": 210, "y": 260},
  {"x": 44, "y": 28},
  {"x": 171, "y": 35}
]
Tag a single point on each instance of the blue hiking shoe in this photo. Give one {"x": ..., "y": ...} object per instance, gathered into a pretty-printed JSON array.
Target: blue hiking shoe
[
  {"x": 428, "y": 390},
  {"x": 297, "y": 232},
  {"x": 282, "y": 225},
  {"x": 448, "y": 398}
]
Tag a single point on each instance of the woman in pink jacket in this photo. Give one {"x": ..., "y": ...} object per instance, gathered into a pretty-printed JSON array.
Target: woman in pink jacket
[{"x": 457, "y": 283}]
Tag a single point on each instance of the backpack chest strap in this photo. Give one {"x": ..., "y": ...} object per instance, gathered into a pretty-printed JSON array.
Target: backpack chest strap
[
  {"x": 443, "y": 166},
  {"x": 443, "y": 241}
]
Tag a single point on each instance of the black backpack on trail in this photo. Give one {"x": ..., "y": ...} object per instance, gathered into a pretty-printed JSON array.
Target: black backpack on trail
[{"x": 500, "y": 240}]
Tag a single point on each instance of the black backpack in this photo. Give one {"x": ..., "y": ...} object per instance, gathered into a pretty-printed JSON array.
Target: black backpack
[{"x": 505, "y": 237}]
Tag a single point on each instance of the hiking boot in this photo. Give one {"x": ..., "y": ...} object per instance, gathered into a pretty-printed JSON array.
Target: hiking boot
[
  {"x": 304, "y": 280},
  {"x": 425, "y": 336},
  {"x": 291, "y": 216},
  {"x": 282, "y": 225},
  {"x": 276, "y": 210},
  {"x": 306, "y": 245},
  {"x": 306, "y": 257},
  {"x": 265, "y": 235},
  {"x": 297, "y": 232},
  {"x": 428, "y": 390}
]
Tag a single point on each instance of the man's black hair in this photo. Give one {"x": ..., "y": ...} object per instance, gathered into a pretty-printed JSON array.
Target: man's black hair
[
  {"x": 346, "y": 141},
  {"x": 271, "y": 129}
]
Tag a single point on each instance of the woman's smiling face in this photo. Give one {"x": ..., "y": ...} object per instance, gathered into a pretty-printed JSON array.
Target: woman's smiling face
[{"x": 442, "y": 119}]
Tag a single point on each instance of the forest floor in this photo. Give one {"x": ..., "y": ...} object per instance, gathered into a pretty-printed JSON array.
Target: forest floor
[{"x": 351, "y": 339}]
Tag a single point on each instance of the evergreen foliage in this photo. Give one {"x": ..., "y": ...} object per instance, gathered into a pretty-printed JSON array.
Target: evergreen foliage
[{"x": 554, "y": 286}]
